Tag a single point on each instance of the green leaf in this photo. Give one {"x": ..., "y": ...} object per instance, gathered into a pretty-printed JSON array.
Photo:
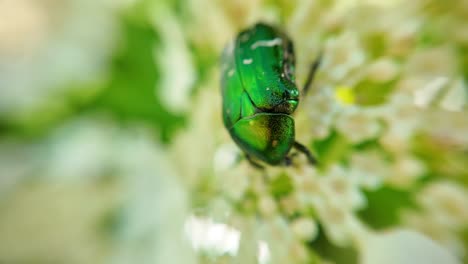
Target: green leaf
[{"x": 384, "y": 206}]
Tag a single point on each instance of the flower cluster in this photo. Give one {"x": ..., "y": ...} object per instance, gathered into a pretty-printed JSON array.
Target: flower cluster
[{"x": 390, "y": 91}]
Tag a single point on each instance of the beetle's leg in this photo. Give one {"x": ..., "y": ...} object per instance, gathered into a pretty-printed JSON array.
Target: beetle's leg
[
  {"x": 306, "y": 152},
  {"x": 287, "y": 161},
  {"x": 254, "y": 163},
  {"x": 310, "y": 77}
]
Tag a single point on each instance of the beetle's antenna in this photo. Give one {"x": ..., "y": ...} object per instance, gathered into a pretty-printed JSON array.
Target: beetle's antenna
[{"x": 313, "y": 69}]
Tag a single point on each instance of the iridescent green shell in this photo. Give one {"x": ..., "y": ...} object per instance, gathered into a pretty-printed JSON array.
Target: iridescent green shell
[{"x": 259, "y": 92}]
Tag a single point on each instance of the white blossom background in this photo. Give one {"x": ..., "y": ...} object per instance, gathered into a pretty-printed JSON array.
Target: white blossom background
[{"x": 112, "y": 148}]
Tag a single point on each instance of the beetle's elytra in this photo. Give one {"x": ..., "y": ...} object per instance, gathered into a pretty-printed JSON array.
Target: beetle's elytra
[{"x": 259, "y": 94}]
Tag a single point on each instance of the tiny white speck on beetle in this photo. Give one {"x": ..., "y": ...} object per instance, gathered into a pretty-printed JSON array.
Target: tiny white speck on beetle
[
  {"x": 247, "y": 61},
  {"x": 231, "y": 72},
  {"x": 267, "y": 43},
  {"x": 268, "y": 88}
]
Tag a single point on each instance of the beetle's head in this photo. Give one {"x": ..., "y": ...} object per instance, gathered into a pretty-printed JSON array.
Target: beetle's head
[
  {"x": 288, "y": 103},
  {"x": 286, "y": 107}
]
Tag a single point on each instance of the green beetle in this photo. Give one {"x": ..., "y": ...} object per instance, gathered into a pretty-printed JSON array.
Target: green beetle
[{"x": 259, "y": 94}]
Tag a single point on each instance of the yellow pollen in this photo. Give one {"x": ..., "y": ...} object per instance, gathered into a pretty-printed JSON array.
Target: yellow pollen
[{"x": 345, "y": 95}]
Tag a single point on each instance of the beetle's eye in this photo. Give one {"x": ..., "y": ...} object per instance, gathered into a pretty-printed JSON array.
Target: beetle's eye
[{"x": 291, "y": 94}]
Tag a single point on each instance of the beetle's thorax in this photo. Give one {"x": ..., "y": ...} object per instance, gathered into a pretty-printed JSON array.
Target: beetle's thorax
[{"x": 258, "y": 75}]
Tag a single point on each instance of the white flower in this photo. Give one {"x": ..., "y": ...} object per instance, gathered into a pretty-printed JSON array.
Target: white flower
[
  {"x": 213, "y": 30},
  {"x": 267, "y": 205},
  {"x": 403, "y": 36},
  {"x": 155, "y": 205},
  {"x": 276, "y": 233},
  {"x": 340, "y": 224},
  {"x": 212, "y": 237},
  {"x": 406, "y": 171},
  {"x": 339, "y": 188},
  {"x": 320, "y": 111},
  {"x": 447, "y": 202},
  {"x": 343, "y": 54},
  {"x": 194, "y": 149},
  {"x": 83, "y": 147},
  {"x": 425, "y": 95},
  {"x": 402, "y": 119},
  {"x": 426, "y": 224},
  {"x": 368, "y": 169},
  {"x": 403, "y": 247},
  {"x": 455, "y": 98},
  {"x": 174, "y": 60},
  {"x": 226, "y": 157},
  {"x": 439, "y": 61},
  {"x": 357, "y": 124},
  {"x": 304, "y": 228},
  {"x": 444, "y": 212},
  {"x": 382, "y": 70},
  {"x": 447, "y": 131},
  {"x": 235, "y": 182}
]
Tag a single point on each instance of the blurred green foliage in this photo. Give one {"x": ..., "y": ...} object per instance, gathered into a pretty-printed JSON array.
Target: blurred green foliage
[
  {"x": 127, "y": 93},
  {"x": 130, "y": 94},
  {"x": 384, "y": 206}
]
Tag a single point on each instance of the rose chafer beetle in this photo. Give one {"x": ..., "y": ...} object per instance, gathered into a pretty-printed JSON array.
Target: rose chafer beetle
[{"x": 259, "y": 94}]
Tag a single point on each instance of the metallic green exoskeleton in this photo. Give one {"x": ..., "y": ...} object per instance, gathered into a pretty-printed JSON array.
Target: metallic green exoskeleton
[{"x": 259, "y": 94}]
